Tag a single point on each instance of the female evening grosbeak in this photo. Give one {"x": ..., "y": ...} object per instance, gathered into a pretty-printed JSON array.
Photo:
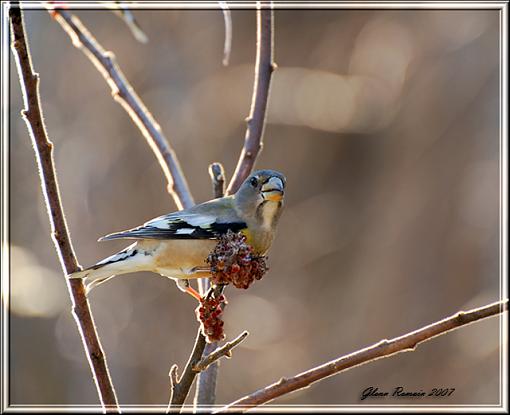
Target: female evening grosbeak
[{"x": 176, "y": 245}]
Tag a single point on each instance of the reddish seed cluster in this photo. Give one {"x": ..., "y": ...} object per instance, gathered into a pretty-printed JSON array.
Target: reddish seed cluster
[
  {"x": 233, "y": 261},
  {"x": 208, "y": 314}
]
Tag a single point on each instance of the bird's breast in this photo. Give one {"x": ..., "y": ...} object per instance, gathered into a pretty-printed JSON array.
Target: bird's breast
[{"x": 175, "y": 258}]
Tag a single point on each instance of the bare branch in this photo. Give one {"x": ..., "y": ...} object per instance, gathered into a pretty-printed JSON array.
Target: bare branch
[
  {"x": 227, "y": 17},
  {"x": 43, "y": 148},
  {"x": 123, "y": 93},
  {"x": 181, "y": 387},
  {"x": 264, "y": 67},
  {"x": 385, "y": 348},
  {"x": 174, "y": 376},
  {"x": 127, "y": 16},
  {"x": 205, "y": 393},
  {"x": 217, "y": 174},
  {"x": 223, "y": 351},
  {"x": 206, "y": 384}
]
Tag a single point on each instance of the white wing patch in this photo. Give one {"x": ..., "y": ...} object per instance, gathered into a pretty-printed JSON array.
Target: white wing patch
[
  {"x": 192, "y": 219},
  {"x": 160, "y": 223},
  {"x": 184, "y": 231},
  {"x": 202, "y": 221}
]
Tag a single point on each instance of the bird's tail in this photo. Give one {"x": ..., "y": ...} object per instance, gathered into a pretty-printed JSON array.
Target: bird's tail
[{"x": 130, "y": 259}]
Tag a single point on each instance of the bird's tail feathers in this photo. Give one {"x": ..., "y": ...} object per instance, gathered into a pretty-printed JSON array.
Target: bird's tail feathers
[{"x": 114, "y": 264}]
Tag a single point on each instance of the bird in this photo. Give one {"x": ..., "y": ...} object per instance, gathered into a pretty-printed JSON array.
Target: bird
[{"x": 177, "y": 244}]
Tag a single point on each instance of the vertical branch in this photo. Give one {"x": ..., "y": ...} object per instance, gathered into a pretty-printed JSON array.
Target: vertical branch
[
  {"x": 227, "y": 17},
  {"x": 181, "y": 386},
  {"x": 206, "y": 385},
  {"x": 123, "y": 93},
  {"x": 264, "y": 68},
  {"x": 43, "y": 148},
  {"x": 217, "y": 173}
]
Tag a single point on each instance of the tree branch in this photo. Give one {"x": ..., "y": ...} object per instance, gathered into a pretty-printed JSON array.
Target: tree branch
[
  {"x": 223, "y": 351},
  {"x": 385, "y": 348},
  {"x": 227, "y": 17},
  {"x": 43, "y": 148},
  {"x": 206, "y": 383},
  {"x": 264, "y": 67},
  {"x": 124, "y": 94},
  {"x": 217, "y": 173},
  {"x": 180, "y": 387}
]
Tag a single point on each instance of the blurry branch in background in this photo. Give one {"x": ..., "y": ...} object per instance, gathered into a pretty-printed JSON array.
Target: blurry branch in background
[
  {"x": 43, "y": 148},
  {"x": 205, "y": 393},
  {"x": 385, "y": 348},
  {"x": 123, "y": 93},
  {"x": 121, "y": 10},
  {"x": 264, "y": 67},
  {"x": 227, "y": 17}
]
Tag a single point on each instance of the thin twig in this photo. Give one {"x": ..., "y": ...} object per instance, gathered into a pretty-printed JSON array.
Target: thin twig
[
  {"x": 43, "y": 148},
  {"x": 217, "y": 173},
  {"x": 264, "y": 68},
  {"x": 385, "y": 348},
  {"x": 123, "y": 93},
  {"x": 125, "y": 13},
  {"x": 227, "y": 46},
  {"x": 223, "y": 351}
]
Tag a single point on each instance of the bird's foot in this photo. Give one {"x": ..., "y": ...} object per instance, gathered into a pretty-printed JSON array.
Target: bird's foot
[
  {"x": 194, "y": 293},
  {"x": 184, "y": 286}
]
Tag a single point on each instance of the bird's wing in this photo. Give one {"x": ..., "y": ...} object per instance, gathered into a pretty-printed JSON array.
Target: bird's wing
[{"x": 208, "y": 220}]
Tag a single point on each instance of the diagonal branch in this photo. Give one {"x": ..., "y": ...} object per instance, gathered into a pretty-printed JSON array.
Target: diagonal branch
[
  {"x": 264, "y": 68},
  {"x": 223, "y": 351},
  {"x": 123, "y": 93},
  {"x": 43, "y": 148},
  {"x": 385, "y": 348}
]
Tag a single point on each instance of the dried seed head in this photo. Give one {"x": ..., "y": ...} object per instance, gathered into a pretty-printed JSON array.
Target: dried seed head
[
  {"x": 233, "y": 261},
  {"x": 209, "y": 315}
]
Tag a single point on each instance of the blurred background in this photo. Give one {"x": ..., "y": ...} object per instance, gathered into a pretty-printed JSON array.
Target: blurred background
[{"x": 386, "y": 124}]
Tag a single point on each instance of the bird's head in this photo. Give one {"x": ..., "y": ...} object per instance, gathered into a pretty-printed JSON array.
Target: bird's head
[{"x": 261, "y": 196}]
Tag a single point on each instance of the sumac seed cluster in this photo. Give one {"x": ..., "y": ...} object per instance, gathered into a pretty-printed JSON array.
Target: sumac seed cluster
[
  {"x": 233, "y": 261},
  {"x": 209, "y": 315}
]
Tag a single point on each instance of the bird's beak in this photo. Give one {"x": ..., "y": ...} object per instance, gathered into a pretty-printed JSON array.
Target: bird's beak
[{"x": 273, "y": 189}]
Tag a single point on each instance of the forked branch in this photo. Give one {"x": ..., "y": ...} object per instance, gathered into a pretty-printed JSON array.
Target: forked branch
[{"x": 223, "y": 351}]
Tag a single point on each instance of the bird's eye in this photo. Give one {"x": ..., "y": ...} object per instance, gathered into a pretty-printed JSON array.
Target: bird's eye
[{"x": 254, "y": 182}]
